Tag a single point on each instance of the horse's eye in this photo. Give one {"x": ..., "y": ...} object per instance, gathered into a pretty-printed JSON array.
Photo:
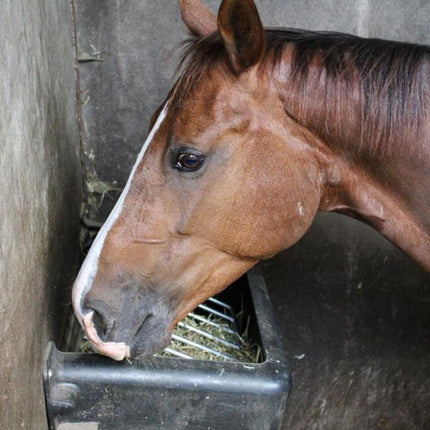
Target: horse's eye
[{"x": 189, "y": 161}]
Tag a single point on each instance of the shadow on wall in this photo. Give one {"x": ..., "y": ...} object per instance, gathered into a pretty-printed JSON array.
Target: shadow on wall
[
  {"x": 40, "y": 195},
  {"x": 354, "y": 316}
]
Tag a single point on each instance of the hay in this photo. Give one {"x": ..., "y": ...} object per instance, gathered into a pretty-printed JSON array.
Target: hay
[
  {"x": 97, "y": 190},
  {"x": 246, "y": 350}
]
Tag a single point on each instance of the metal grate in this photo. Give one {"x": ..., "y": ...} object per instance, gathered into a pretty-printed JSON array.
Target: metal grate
[{"x": 213, "y": 332}]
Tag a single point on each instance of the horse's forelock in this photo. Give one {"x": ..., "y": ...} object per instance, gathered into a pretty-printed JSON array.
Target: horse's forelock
[{"x": 199, "y": 57}]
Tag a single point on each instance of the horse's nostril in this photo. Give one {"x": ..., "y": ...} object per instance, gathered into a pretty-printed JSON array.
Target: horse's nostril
[
  {"x": 100, "y": 320},
  {"x": 143, "y": 324},
  {"x": 100, "y": 325},
  {"x": 142, "y": 328}
]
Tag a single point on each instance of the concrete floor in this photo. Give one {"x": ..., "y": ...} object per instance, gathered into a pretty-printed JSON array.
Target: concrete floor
[{"x": 355, "y": 321}]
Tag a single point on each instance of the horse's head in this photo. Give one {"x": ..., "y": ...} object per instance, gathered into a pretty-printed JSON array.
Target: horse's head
[{"x": 218, "y": 186}]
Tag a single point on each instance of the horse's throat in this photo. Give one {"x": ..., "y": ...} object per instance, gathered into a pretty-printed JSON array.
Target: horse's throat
[{"x": 358, "y": 195}]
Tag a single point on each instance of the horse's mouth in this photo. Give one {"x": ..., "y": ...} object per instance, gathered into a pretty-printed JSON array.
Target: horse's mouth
[
  {"x": 115, "y": 350},
  {"x": 147, "y": 340}
]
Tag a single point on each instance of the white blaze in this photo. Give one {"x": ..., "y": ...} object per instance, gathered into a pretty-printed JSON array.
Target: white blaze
[{"x": 89, "y": 267}]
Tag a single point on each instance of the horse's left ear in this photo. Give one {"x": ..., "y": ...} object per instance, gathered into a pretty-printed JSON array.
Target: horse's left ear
[
  {"x": 242, "y": 32},
  {"x": 197, "y": 17}
]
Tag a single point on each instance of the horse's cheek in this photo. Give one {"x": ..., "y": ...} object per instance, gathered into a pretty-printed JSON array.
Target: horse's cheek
[{"x": 291, "y": 209}]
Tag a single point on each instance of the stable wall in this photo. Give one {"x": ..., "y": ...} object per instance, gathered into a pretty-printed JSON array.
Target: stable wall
[{"x": 40, "y": 197}]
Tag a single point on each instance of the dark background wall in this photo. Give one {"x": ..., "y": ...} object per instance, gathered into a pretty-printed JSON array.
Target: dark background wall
[
  {"x": 353, "y": 310},
  {"x": 40, "y": 197}
]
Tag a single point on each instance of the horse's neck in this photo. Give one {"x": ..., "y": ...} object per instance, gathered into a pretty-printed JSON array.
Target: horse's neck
[
  {"x": 391, "y": 193},
  {"x": 395, "y": 204}
]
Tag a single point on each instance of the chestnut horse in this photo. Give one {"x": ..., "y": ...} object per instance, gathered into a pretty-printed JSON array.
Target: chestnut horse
[{"x": 263, "y": 129}]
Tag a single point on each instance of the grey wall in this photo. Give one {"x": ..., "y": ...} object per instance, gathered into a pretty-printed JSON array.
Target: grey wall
[{"x": 40, "y": 196}]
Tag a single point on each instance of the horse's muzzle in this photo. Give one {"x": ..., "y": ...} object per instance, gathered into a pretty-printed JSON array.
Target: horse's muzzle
[{"x": 130, "y": 333}]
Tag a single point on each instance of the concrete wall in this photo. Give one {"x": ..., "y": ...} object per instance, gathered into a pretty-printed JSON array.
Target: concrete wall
[{"x": 40, "y": 196}]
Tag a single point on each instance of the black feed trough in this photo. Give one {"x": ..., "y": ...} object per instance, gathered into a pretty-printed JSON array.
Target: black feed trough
[{"x": 91, "y": 392}]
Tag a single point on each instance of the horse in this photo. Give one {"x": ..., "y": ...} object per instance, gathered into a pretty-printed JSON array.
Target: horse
[{"x": 262, "y": 129}]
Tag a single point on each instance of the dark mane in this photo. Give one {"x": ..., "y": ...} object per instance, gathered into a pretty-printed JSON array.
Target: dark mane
[{"x": 391, "y": 78}]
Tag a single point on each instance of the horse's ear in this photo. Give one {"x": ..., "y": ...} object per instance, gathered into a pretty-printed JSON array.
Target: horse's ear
[
  {"x": 240, "y": 27},
  {"x": 198, "y": 18}
]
